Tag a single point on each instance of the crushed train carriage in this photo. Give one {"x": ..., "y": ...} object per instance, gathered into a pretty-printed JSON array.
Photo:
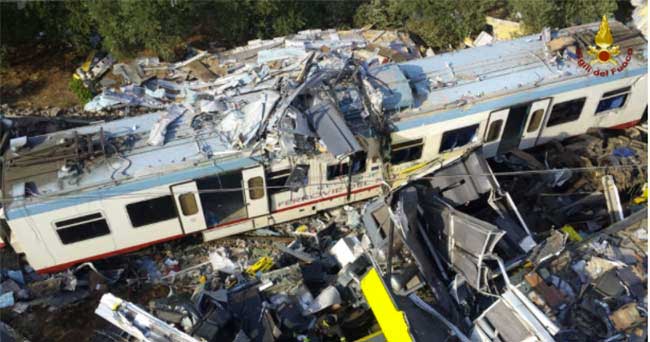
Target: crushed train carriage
[{"x": 264, "y": 145}]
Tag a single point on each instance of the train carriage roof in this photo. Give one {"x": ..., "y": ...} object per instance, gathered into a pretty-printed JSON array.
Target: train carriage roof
[
  {"x": 440, "y": 87},
  {"x": 465, "y": 77}
]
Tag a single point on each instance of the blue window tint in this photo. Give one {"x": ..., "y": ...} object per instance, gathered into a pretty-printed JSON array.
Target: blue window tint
[
  {"x": 613, "y": 99},
  {"x": 611, "y": 103}
]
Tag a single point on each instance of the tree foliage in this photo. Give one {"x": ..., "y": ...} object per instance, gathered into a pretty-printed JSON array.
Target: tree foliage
[
  {"x": 130, "y": 26},
  {"x": 537, "y": 14},
  {"x": 235, "y": 22},
  {"x": 379, "y": 13},
  {"x": 127, "y": 27},
  {"x": 440, "y": 24}
]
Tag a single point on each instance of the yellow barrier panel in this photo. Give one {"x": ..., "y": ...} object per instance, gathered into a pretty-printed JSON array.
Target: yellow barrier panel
[
  {"x": 392, "y": 321},
  {"x": 573, "y": 234},
  {"x": 262, "y": 265}
]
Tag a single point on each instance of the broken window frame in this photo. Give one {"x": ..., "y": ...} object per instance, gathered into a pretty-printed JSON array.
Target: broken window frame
[
  {"x": 294, "y": 184},
  {"x": 278, "y": 181},
  {"x": 565, "y": 112},
  {"x": 92, "y": 225},
  {"x": 150, "y": 211},
  {"x": 610, "y": 97},
  {"x": 408, "y": 151},
  {"x": 447, "y": 134},
  {"x": 341, "y": 169}
]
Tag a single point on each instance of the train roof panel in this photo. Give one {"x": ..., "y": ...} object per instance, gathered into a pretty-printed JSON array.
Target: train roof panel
[
  {"x": 39, "y": 168},
  {"x": 463, "y": 77}
]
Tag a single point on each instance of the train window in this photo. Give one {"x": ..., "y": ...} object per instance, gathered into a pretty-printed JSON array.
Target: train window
[
  {"x": 285, "y": 180},
  {"x": 298, "y": 178},
  {"x": 82, "y": 228},
  {"x": 566, "y": 112},
  {"x": 188, "y": 204},
  {"x": 535, "y": 120},
  {"x": 613, "y": 99},
  {"x": 276, "y": 181},
  {"x": 494, "y": 131},
  {"x": 458, "y": 138},
  {"x": 151, "y": 211},
  {"x": 256, "y": 187},
  {"x": 338, "y": 170},
  {"x": 406, "y": 151}
]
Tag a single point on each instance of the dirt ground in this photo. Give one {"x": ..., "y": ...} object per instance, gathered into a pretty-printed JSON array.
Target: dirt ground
[{"x": 38, "y": 76}]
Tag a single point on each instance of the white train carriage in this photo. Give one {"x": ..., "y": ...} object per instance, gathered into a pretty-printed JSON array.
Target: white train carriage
[
  {"x": 504, "y": 96},
  {"x": 59, "y": 216}
]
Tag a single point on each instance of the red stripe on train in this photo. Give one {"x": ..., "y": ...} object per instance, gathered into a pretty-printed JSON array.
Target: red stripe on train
[
  {"x": 626, "y": 125},
  {"x": 66, "y": 265},
  {"x": 327, "y": 198}
]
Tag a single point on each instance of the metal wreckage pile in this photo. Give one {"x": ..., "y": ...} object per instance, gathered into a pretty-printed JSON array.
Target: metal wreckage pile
[{"x": 446, "y": 257}]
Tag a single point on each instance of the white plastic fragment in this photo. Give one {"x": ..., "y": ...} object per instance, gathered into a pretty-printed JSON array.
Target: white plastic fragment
[
  {"x": 328, "y": 297},
  {"x": 353, "y": 217},
  {"x": 220, "y": 262},
  {"x": 159, "y": 130},
  {"x": 483, "y": 38},
  {"x": 346, "y": 250},
  {"x": 270, "y": 55}
]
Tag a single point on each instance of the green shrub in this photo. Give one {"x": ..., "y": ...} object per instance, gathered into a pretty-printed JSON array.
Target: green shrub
[
  {"x": 78, "y": 88},
  {"x": 537, "y": 14},
  {"x": 440, "y": 24}
]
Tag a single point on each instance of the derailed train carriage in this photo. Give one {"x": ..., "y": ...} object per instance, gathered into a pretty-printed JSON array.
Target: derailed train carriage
[{"x": 324, "y": 136}]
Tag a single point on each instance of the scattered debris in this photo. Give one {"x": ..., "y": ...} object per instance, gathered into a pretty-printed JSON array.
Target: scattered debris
[
  {"x": 526, "y": 246},
  {"x": 420, "y": 244},
  {"x": 504, "y": 29},
  {"x": 96, "y": 65},
  {"x": 137, "y": 322}
]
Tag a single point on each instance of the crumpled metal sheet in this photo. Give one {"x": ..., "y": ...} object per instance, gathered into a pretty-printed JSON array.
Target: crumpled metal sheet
[
  {"x": 159, "y": 129},
  {"x": 330, "y": 126},
  {"x": 240, "y": 126},
  {"x": 393, "y": 85},
  {"x": 129, "y": 96}
]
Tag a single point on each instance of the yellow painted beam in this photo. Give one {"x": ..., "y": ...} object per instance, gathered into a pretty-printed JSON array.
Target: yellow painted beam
[{"x": 392, "y": 321}]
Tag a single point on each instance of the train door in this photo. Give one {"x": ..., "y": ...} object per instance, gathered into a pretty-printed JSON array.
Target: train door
[
  {"x": 513, "y": 128},
  {"x": 494, "y": 131},
  {"x": 536, "y": 116},
  {"x": 257, "y": 202},
  {"x": 190, "y": 210}
]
